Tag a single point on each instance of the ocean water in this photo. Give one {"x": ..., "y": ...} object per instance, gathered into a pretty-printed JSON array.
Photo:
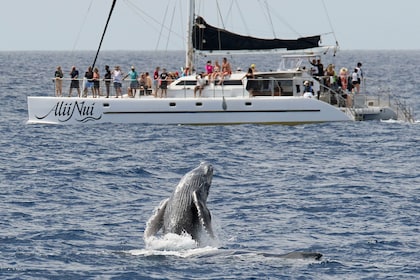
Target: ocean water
[{"x": 75, "y": 199}]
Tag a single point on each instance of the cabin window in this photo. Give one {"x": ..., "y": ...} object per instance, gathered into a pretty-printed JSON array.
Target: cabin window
[
  {"x": 198, "y": 104},
  {"x": 186, "y": 83},
  {"x": 172, "y": 104},
  {"x": 248, "y": 103},
  {"x": 232, "y": 82},
  {"x": 105, "y": 104}
]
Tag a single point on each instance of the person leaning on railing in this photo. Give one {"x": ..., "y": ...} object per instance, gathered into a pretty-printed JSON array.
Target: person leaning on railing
[
  {"x": 107, "y": 79},
  {"x": 74, "y": 75},
  {"x": 58, "y": 79}
]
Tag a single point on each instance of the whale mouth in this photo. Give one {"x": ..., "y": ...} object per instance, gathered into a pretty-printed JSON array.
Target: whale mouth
[{"x": 207, "y": 168}]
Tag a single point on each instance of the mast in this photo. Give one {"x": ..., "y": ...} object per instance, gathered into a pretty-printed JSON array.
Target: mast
[
  {"x": 103, "y": 34},
  {"x": 190, "y": 23}
]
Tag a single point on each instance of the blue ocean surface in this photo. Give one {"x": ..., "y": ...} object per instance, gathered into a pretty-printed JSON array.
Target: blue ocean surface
[{"x": 75, "y": 199}]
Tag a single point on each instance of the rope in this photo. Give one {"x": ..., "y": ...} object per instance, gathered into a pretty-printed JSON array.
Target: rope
[
  {"x": 161, "y": 28},
  {"x": 152, "y": 22},
  {"x": 270, "y": 19},
  {"x": 169, "y": 35},
  {"x": 329, "y": 21},
  {"x": 281, "y": 19},
  {"x": 242, "y": 17},
  {"x": 82, "y": 26}
]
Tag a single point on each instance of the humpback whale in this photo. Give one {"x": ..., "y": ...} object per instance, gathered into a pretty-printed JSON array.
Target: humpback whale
[{"x": 185, "y": 211}]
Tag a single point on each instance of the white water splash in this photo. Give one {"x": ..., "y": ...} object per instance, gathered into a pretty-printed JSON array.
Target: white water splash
[{"x": 172, "y": 245}]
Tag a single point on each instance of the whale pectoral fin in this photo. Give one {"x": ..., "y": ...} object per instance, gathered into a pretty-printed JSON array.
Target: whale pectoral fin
[
  {"x": 155, "y": 223},
  {"x": 300, "y": 255},
  {"x": 203, "y": 213}
]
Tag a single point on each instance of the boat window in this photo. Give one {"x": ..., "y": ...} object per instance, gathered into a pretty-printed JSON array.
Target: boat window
[
  {"x": 248, "y": 103},
  {"x": 186, "y": 83},
  {"x": 232, "y": 82},
  {"x": 105, "y": 104},
  {"x": 172, "y": 104},
  {"x": 198, "y": 104}
]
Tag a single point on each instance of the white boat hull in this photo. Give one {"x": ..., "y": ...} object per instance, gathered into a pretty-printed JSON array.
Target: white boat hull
[{"x": 190, "y": 111}]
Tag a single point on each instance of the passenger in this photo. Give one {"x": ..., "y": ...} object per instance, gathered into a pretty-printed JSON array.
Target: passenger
[
  {"x": 307, "y": 90},
  {"x": 96, "y": 82},
  {"x": 253, "y": 67},
  {"x": 88, "y": 81},
  {"x": 343, "y": 78},
  {"x": 330, "y": 72},
  {"x": 209, "y": 68},
  {"x": 117, "y": 79},
  {"x": 319, "y": 67},
  {"x": 355, "y": 81},
  {"x": 200, "y": 84},
  {"x": 134, "y": 84},
  {"x": 58, "y": 79},
  {"x": 156, "y": 81},
  {"x": 226, "y": 70},
  {"x": 107, "y": 79},
  {"x": 314, "y": 71},
  {"x": 186, "y": 72},
  {"x": 163, "y": 80},
  {"x": 216, "y": 72},
  {"x": 171, "y": 77},
  {"x": 74, "y": 75},
  {"x": 250, "y": 84},
  {"x": 149, "y": 83},
  {"x": 142, "y": 84},
  {"x": 360, "y": 74}
]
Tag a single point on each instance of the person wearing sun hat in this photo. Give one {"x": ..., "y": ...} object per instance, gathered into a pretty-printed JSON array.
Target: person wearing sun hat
[
  {"x": 134, "y": 84},
  {"x": 307, "y": 90}
]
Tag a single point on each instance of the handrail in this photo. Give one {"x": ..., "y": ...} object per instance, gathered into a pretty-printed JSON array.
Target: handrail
[
  {"x": 404, "y": 111},
  {"x": 341, "y": 100}
]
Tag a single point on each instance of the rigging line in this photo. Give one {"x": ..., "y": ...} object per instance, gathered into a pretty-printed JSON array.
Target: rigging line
[
  {"x": 103, "y": 34},
  {"x": 169, "y": 35},
  {"x": 82, "y": 26},
  {"x": 161, "y": 28},
  {"x": 220, "y": 14},
  {"x": 269, "y": 18},
  {"x": 282, "y": 20},
  {"x": 242, "y": 18},
  {"x": 223, "y": 25},
  {"x": 181, "y": 22},
  {"x": 329, "y": 21},
  {"x": 149, "y": 19}
]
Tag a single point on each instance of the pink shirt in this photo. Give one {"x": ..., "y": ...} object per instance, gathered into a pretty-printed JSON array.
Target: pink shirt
[{"x": 209, "y": 68}]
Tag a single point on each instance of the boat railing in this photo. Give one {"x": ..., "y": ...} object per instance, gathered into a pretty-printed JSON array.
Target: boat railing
[
  {"x": 335, "y": 96},
  {"x": 403, "y": 110},
  {"x": 338, "y": 97},
  {"x": 353, "y": 101},
  {"x": 66, "y": 83}
]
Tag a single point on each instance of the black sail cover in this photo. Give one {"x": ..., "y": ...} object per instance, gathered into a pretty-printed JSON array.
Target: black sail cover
[{"x": 210, "y": 38}]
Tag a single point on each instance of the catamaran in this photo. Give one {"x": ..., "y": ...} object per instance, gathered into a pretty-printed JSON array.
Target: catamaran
[{"x": 274, "y": 98}]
